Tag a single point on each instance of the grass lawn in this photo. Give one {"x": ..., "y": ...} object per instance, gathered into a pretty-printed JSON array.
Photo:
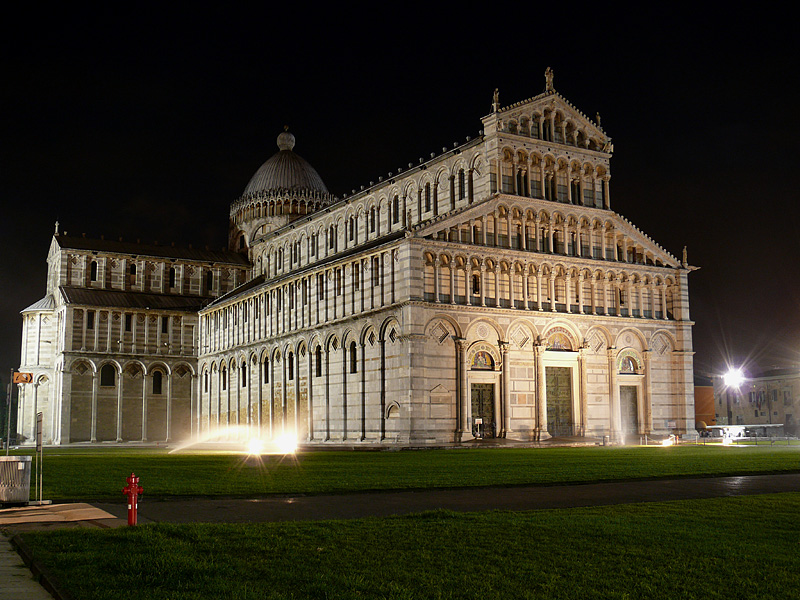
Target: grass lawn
[
  {"x": 743, "y": 547},
  {"x": 99, "y": 474}
]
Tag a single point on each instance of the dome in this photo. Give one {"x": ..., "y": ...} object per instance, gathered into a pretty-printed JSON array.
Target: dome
[{"x": 285, "y": 171}]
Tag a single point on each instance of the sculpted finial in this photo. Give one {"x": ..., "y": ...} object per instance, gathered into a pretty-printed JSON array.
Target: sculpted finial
[
  {"x": 496, "y": 100},
  {"x": 548, "y": 78},
  {"x": 56, "y": 233}
]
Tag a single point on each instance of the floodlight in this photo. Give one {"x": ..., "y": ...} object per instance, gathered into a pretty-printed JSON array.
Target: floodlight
[{"x": 734, "y": 378}]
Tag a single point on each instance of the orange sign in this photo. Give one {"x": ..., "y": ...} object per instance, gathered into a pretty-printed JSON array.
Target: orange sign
[{"x": 23, "y": 377}]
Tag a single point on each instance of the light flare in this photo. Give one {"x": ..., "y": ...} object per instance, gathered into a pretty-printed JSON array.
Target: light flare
[
  {"x": 255, "y": 447},
  {"x": 733, "y": 378},
  {"x": 286, "y": 443}
]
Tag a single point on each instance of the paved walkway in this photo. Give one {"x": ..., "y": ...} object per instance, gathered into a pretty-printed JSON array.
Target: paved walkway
[
  {"x": 352, "y": 506},
  {"x": 17, "y": 581}
]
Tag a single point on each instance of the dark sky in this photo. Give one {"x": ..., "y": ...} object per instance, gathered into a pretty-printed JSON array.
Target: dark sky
[{"x": 146, "y": 125}]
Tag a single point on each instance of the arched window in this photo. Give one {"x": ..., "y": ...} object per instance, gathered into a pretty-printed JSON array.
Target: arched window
[
  {"x": 462, "y": 189},
  {"x": 395, "y": 209},
  {"x": 172, "y": 277},
  {"x": 223, "y": 375},
  {"x": 372, "y": 220},
  {"x": 266, "y": 370},
  {"x": 209, "y": 281},
  {"x": 108, "y": 376},
  {"x": 132, "y": 274},
  {"x": 353, "y": 358},
  {"x": 290, "y": 365},
  {"x": 427, "y": 197},
  {"x": 157, "y": 380},
  {"x": 243, "y": 372},
  {"x": 93, "y": 271},
  {"x": 318, "y": 359},
  {"x": 205, "y": 381}
]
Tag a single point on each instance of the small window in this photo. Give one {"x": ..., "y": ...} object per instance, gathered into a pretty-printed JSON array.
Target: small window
[
  {"x": 318, "y": 359},
  {"x": 157, "y": 381},
  {"x": 209, "y": 281},
  {"x": 164, "y": 324},
  {"x": 128, "y": 322},
  {"x": 290, "y": 365},
  {"x": 353, "y": 358},
  {"x": 205, "y": 382},
  {"x": 132, "y": 274},
  {"x": 266, "y": 371},
  {"x": 223, "y": 375},
  {"x": 243, "y": 372},
  {"x": 172, "y": 277},
  {"x": 90, "y": 319},
  {"x": 395, "y": 210},
  {"x": 93, "y": 271},
  {"x": 108, "y": 376}
]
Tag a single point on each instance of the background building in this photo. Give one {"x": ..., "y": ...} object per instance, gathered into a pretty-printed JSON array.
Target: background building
[
  {"x": 489, "y": 290},
  {"x": 763, "y": 399}
]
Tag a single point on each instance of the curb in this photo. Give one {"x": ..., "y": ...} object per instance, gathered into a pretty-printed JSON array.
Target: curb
[{"x": 45, "y": 578}]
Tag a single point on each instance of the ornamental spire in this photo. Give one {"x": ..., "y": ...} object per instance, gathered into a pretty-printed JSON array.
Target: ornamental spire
[{"x": 548, "y": 80}]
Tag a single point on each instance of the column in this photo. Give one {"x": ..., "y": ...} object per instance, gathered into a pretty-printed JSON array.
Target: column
[
  {"x": 452, "y": 282},
  {"x": 584, "y": 396},
  {"x": 506, "y": 390},
  {"x": 541, "y": 393},
  {"x": 144, "y": 407},
  {"x": 511, "y": 285},
  {"x": 119, "y": 402},
  {"x": 647, "y": 401},
  {"x": 615, "y": 424},
  {"x": 464, "y": 430},
  {"x": 525, "y": 280},
  {"x": 568, "y": 291},
  {"x": 95, "y": 384},
  {"x": 169, "y": 406}
]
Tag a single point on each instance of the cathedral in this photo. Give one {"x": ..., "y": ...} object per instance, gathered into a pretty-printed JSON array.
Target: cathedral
[{"x": 489, "y": 290}]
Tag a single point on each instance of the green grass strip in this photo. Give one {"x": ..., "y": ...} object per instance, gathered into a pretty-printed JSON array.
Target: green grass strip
[
  {"x": 743, "y": 547},
  {"x": 98, "y": 474}
]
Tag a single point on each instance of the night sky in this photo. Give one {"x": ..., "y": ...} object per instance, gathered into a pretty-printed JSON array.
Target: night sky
[{"x": 147, "y": 125}]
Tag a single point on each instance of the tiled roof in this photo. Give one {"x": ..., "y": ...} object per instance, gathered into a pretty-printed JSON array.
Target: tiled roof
[
  {"x": 46, "y": 303},
  {"x": 135, "y": 300},
  {"x": 155, "y": 250}
]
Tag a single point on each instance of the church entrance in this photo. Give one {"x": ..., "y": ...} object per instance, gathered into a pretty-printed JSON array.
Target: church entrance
[
  {"x": 559, "y": 400},
  {"x": 483, "y": 420},
  {"x": 629, "y": 409}
]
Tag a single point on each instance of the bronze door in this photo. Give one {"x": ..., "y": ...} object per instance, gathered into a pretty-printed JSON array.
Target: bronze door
[
  {"x": 559, "y": 400},
  {"x": 483, "y": 423}
]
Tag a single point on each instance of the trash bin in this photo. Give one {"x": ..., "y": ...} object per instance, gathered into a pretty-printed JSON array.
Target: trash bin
[{"x": 15, "y": 479}]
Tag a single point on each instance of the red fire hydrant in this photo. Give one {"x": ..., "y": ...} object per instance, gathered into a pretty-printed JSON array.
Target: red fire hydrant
[{"x": 132, "y": 491}]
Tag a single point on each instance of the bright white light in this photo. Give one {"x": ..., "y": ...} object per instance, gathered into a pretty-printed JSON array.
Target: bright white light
[
  {"x": 667, "y": 442},
  {"x": 254, "y": 446},
  {"x": 733, "y": 378},
  {"x": 726, "y": 441},
  {"x": 286, "y": 444}
]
